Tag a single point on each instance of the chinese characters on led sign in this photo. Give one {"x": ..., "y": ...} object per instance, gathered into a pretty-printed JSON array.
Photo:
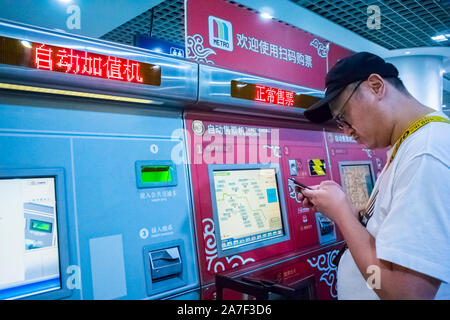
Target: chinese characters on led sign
[
  {"x": 59, "y": 59},
  {"x": 84, "y": 63},
  {"x": 261, "y": 93},
  {"x": 275, "y": 96}
]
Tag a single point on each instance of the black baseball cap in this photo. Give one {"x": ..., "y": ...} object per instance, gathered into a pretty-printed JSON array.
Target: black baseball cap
[{"x": 357, "y": 67}]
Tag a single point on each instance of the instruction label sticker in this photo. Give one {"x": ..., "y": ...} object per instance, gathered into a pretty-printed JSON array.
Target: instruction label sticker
[{"x": 317, "y": 167}]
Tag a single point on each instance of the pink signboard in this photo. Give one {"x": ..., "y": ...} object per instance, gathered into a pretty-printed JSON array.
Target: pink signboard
[{"x": 226, "y": 35}]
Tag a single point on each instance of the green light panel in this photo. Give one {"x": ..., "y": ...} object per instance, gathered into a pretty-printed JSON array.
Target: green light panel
[
  {"x": 41, "y": 226},
  {"x": 156, "y": 174}
]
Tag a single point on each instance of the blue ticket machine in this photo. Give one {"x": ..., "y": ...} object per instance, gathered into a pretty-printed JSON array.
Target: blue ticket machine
[{"x": 94, "y": 189}]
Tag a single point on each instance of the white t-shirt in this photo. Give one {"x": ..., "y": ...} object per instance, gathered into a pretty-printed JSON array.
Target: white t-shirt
[{"x": 411, "y": 217}]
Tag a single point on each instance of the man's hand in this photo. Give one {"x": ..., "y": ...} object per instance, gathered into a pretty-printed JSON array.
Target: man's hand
[{"x": 329, "y": 199}]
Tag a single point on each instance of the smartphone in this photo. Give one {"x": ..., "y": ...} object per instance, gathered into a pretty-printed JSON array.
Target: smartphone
[{"x": 298, "y": 184}]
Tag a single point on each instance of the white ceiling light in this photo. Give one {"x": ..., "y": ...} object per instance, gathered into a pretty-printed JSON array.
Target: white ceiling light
[
  {"x": 266, "y": 12},
  {"x": 439, "y": 38},
  {"x": 265, "y": 15}
]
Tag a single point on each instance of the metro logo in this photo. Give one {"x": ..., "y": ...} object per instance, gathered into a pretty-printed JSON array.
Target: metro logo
[
  {"x": 220, "y": 33},
  {"x": 220, "y": 30}
]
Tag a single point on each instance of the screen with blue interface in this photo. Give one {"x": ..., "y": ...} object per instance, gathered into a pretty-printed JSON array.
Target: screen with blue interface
[
  {"x": 248, "y": 206},
  {"x": 29, "y": 258}
]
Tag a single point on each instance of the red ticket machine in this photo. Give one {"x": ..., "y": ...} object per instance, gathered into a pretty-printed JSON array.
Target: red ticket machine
[
  {"x": 255, "y": 239},
  {"x": 248, "y": 216}
]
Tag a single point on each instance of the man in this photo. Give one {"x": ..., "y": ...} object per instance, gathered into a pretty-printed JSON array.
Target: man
[{"x": 399, "y": 246}]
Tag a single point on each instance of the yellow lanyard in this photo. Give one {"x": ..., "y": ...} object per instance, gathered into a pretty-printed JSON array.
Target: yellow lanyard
[
  {"x": 366, "y": 214},
  {"x": 413, "y": 128}
]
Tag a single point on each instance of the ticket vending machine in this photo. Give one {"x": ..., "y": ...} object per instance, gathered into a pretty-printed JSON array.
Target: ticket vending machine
[
  {"x": 255, "y": 239},
  {"x": 252, "y": 230},
  {"x": 92, "y": 203}
]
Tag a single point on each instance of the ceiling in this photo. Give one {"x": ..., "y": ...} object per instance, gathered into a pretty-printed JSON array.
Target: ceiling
[
  {"x": 164, "y": 21},
  {"x": 403, "y": 23},
  {"x": 82, "y": 17}
]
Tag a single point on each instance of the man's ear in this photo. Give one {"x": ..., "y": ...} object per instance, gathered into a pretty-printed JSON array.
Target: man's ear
[{"x": 377, "y": 85}]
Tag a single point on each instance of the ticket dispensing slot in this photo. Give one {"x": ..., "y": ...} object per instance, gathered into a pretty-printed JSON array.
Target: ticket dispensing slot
[
  {"x": 165, "y": 263},
  {"x": 325, "y": 225},
  {"x": 325, "y": 228}
]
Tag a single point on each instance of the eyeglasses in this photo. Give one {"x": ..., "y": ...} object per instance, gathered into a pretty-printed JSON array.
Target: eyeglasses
[{"x": 339, "y": 118}]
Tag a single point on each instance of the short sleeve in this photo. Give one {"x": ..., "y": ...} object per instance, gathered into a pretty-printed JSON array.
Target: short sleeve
[{"x": 416, "y": 231}]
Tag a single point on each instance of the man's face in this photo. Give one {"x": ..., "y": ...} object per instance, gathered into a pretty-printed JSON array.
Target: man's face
[{"x": 359, "y": 115}]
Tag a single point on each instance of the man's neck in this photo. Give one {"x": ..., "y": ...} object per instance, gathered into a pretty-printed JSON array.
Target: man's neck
[{"x": 410, "y": 111}]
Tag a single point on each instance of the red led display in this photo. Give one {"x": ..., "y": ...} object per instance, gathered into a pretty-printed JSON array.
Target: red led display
[
  {"x": 262, "y": 93},
  {"x": 265, "y": 94},
  {"x": 58, "y": 59},
  {"x": 85, "y": 63},
  {"x": 274, "y": 95}
]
